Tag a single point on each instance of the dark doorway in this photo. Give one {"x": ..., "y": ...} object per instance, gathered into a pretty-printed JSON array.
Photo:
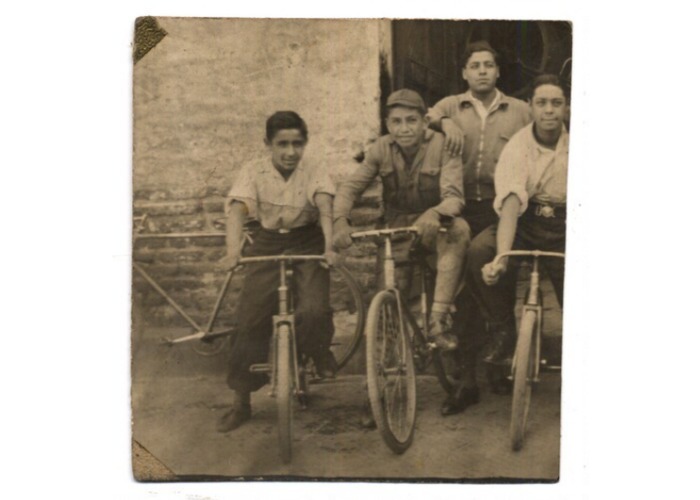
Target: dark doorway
[{"x": 427, "y": 55}]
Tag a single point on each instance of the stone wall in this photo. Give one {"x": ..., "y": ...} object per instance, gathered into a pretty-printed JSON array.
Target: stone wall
[{"x": 201, "y": 98}]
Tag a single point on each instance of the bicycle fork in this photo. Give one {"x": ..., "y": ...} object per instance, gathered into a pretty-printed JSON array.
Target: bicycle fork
[
  {"x": 533, "y": 304},
  {"x": 284, "y": 318}
]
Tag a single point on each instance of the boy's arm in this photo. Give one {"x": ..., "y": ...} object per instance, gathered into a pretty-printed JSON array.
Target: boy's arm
[
  {"x": 324, "y": 203},
  {"x": 234, "y": 234},
  {"x": 348, "y": 191},
  {"x": 505, "y": 235},
  {"x": 440, "y": 119}
]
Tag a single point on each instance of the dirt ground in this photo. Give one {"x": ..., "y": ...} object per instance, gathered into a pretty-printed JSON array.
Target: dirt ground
[{"x": 178, "y": 395}]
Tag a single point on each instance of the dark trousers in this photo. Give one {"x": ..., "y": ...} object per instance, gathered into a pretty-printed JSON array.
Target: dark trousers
[
  {"x": 468, "y": 320},
  {"x": 534, "y": 232},
  {"x": 258, "y": 302}
]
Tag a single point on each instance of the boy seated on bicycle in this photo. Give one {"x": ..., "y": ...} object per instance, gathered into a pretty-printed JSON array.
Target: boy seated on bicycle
[
  {"x": 421, "y": 184},
  {"x": 530, "y": 182},
  {"x": 293, "y": 203}
]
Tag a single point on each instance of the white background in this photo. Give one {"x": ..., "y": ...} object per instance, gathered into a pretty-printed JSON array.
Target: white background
[{"x": 630, "y": 413}]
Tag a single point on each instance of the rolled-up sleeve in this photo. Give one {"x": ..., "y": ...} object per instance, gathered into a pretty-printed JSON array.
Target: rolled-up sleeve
[
  {"x": 243, "y": 190},
  {"x": 361, "y": 178},
  {"x": 444, "y": 108},
  {"x": 511, "y": 174},
  {"x": 319, "y": 182},
  {"x": 451, "y": 186}
]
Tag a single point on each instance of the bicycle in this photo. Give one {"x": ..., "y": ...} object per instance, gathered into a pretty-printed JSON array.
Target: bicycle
[
  {"x": 210, "y": 342},
  {"x": 393, "y": 352},
  {"x": 287, "y": 376},
  {"x": 525, "y": 368}
]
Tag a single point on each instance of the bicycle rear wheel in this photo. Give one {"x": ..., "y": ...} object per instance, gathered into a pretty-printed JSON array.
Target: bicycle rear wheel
[
  {"x": 284, "y": 386},
  {"x": 523, "y": 376},
  {"x": 348, "y": 315},
  {"x": 391, "y": 378}
]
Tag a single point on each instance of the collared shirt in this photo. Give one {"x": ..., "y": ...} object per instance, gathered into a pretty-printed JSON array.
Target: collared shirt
[
  {"x": 532, "y": 171},
  {"x": 484, "y": 139},
  {"x": 481, "y": 109},
  {"x": 278, "y": 203},
  {"x": 432, "y": 180}
]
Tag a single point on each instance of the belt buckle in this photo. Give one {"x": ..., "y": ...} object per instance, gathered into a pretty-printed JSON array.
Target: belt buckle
[
  {"x": 545, "y": 211},
  {"x": 283, "y": 230}
]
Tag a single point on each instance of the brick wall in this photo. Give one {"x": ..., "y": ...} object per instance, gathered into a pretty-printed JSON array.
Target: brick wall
[{"x": 201, "y": 97}]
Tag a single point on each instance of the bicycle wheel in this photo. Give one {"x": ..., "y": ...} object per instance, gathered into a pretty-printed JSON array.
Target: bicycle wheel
[
  {"x": 523, "y": 374},
  {"x": 391, "y": 378},
  {"x": 283, "y": 385},
  {"x": 348, "y": 315}
]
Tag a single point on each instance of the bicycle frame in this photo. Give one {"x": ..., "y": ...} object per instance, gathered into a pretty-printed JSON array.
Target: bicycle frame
[
  {"x": 389, "y": 268},
  {"x": 284, "y": 316},
  {"x": 200, "y": 333}
]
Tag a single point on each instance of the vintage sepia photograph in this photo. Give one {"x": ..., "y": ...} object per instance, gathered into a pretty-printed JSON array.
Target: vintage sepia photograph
[{"x": 349, "y": 243}]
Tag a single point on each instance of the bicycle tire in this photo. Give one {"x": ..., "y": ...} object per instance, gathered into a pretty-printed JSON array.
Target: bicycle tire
[
  {"x": 283, "y": 395},
  {"x": 523, "y": 374},
  {"x": 345, "y": 346},
  {"x": 389, "y": 353}
]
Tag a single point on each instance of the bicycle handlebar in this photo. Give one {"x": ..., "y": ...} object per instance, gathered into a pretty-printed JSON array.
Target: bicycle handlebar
[
  {"x": 279, "y": 258},
  {"x": 527, "y": 253},
  {"x": 389, "y": 232}
]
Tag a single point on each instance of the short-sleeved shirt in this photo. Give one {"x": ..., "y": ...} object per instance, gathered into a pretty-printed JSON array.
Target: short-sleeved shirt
[
  {"x": 280, "y": 203},
  {"x": 484, "y": 138},
  {"x": 432, "y": 180},
  {"x": 532, "y": 171}
]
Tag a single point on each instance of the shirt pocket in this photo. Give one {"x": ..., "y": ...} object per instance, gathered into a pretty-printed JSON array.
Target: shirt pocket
[
  {"x": 390, "y": 183},
  {"x": 429, "y": 185}
]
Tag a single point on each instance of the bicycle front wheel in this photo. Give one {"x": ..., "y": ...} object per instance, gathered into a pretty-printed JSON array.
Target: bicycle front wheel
[
  {"x": 284, "y": 387},
  {"x": 523, "y": 376},
  {"x": 391, "y": 378}
]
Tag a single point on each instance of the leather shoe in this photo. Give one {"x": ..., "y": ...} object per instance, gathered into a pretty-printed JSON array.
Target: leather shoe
[
  {"x": 460, "y": 400},
  {"x": 500, "y": 348},
  {"x": 234, "y": 418}
]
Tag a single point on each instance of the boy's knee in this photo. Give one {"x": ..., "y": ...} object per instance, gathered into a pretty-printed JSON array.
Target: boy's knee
[{"x": 460, "y": 231}]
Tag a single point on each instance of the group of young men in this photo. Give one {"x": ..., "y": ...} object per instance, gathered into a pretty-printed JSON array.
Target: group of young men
[{"x": 490, "y": 168}]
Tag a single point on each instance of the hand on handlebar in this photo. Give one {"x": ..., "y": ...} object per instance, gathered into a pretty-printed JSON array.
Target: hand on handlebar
[
  {"x": 230, "y": 261},
  {"x": 428, "y": 225},
  {"x": 341, "y": 234},
  {"x": 493, "y": 271},
  {"x": 333, "y": 258}
]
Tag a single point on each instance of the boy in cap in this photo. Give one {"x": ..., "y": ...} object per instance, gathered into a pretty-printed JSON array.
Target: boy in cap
[
  {"x": 293, "y": 203},
  {"x": 422, "y": 183}
]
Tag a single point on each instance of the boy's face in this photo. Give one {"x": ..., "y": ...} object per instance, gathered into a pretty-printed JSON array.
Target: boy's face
[
  {"x": 548, "y": 107},
  {"x": 406, "y": 126},
  {"x": 287, "y": 148},
  {"x": 481, "y": 72}
]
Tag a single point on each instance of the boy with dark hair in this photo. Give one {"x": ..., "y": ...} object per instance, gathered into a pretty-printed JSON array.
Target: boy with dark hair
[
  {"x": 422, "y": 183},
  {"x": 293, "y": 203},
  {"x": 477, "y": 124},
  {"x": 531, "y": 200}
]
